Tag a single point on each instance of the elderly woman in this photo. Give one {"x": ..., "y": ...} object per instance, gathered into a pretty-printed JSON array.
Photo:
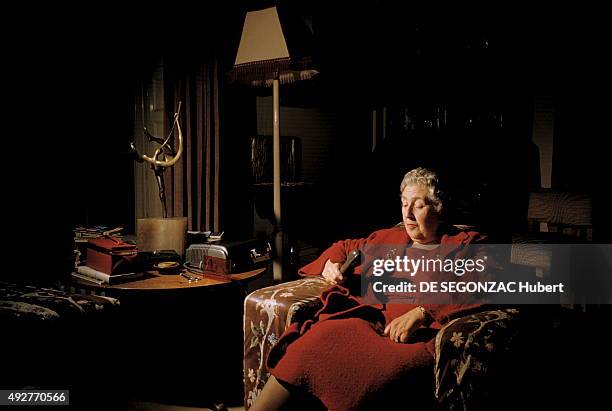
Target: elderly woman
[{"x": 362, "y": 356}]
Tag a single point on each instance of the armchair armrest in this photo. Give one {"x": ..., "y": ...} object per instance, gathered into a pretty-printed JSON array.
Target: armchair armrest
[
  {"x": 267, "y": 313},
  {"x": 471, "y": 354}
]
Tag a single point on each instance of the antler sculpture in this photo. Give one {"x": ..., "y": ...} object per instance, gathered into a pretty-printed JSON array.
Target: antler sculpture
[{"x": 163, "y": 157}]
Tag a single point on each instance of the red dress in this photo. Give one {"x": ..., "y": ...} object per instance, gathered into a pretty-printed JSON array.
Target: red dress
[{"x": 341, "y": 357}]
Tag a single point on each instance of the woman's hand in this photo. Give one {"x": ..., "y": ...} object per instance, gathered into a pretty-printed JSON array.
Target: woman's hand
[
  {"x": 401, "y": 327},
  {"x": 331, "y": 272}
]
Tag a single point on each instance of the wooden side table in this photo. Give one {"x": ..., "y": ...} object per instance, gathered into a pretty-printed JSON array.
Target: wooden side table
[
  {"x": 179, "y": 341},
  {"x": 154, "y": 281}
]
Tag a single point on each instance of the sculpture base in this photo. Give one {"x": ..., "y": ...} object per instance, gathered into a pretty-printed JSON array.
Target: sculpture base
[{"x": 156, "y": 234}]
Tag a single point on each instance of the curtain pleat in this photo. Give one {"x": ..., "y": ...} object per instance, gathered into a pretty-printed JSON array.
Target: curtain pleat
[
  {"x": 194, "y": 179},
  {"x": 217, "y": 145},
  {"x": 207, "y": 121},
  {"x": 198, "y": 180}
]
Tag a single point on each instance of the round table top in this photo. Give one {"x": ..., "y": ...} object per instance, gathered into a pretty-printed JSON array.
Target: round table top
[{"x": 153, "y": 280}]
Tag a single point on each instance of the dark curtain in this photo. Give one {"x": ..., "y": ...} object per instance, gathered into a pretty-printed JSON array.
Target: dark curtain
[{"x": 192, "y": 185}]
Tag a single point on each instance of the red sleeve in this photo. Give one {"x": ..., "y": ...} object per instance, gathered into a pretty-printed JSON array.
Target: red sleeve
[{"x": 336, "y": 254}]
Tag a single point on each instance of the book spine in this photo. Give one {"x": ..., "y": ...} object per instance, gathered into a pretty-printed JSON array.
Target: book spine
[
  {"x": 87, "y": 278},
  {"x": 90, "y": 272}
]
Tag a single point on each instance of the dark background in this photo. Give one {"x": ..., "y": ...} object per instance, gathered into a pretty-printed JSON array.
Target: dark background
[
  {"x": 72, "y": 165},
  {"x": 485, "y": 69}
]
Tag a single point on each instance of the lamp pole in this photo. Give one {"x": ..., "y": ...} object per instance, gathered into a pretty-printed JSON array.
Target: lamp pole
[{"x": 277, "y": 265}]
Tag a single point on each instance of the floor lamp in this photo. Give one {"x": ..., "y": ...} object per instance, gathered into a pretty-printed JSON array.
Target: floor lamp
[{"x": 263, "y": 60}]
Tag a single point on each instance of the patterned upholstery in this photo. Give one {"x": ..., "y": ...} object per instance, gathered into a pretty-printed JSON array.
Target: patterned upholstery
[
  {"x": 561, "y": 212},
  {"x": 267, "y": 312},
  {"x": 469, "y": 353},
  {"x": 532, "y": 251},
  {"x": 554, "y": 218}
]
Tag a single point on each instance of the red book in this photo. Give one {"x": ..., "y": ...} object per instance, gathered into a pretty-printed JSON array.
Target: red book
[{"x": 108, "y": 255}]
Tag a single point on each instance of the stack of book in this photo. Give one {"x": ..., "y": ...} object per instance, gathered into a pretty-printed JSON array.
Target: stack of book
[
  {"x": 109, "y": 261},
  {"x": 88, "y": 274},
  {"x": 83, "y": 234}
]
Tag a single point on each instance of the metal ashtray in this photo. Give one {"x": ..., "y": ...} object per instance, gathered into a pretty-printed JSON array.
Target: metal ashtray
[{"x": 167, "y": 267}]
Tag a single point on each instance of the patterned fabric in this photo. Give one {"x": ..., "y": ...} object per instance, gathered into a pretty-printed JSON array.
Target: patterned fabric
[
  {"x": 532, "y": 251},
  {"x": 22, "y": 302},
  {"x": 568, "y": 214},
  {"x": 267, "y": 313},
  {"x": 560, "y": 207},
  {"x": 469, "y": 354}
]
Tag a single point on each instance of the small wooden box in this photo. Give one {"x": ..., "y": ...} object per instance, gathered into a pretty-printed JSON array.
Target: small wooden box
[{"x": 109, "y": 255}]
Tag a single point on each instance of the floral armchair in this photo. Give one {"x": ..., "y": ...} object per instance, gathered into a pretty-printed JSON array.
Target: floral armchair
[
  {"x": 479, "y": 358},
  {"x": 467, "y": 349}
]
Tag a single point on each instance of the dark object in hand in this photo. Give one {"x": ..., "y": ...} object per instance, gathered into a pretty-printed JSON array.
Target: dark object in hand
[
  {"x": 351, "y": 262},
  {"x": 352, "y": 282}
]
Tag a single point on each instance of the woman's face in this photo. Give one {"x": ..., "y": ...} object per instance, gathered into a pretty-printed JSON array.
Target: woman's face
[{"x": 419, "y": 216}]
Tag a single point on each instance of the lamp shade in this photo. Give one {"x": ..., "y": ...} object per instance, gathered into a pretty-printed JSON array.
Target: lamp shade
[
  {"x": 262, "y": 38},
  {"x": 266, "y": 52}
]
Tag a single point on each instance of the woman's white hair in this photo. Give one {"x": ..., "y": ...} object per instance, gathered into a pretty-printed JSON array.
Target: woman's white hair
[{"x": 426, "y": 178}]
